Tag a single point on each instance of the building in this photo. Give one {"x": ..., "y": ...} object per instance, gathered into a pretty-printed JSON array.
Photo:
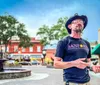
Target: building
[
  {"x": 99, "y": 36},
  {"x": 50, "y": 53},
  {"x": 15, "y": 51},
  {"x": 51, "y": 50},
  {"x": 96, "y": 49}
]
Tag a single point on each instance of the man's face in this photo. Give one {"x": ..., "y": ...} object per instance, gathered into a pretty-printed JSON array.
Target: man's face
[{"x": 77, "y": 25}]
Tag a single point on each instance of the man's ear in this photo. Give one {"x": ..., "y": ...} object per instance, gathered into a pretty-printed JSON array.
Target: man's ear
[{"x": 69, "y": 26}]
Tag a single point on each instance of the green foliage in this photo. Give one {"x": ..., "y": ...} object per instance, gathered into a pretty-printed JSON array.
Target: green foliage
[
  {"x": 46, "y": 34},
  {"x": 55, "y": 32},
  {"x": 9, "y": 27},
  {"x": 59, "y": 29},
  {"x": 14, "y": 64}
]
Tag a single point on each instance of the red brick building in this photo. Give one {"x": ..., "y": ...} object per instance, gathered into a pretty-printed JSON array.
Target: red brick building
[
  {"x": 50, "y": 53},
  {"x": 33, "y": 51},
  {"x": 50, "y": 50}
]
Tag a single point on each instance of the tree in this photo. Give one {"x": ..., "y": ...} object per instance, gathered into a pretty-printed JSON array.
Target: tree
[
  {"x": 59, "y": 30},
  {"x": 55, "y": 32},
  {"x": 9, "y": 27},
  {"x": 46, "y": 34}
]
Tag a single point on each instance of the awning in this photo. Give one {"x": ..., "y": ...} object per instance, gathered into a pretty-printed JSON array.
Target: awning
[{"x": 96, "y": 50}]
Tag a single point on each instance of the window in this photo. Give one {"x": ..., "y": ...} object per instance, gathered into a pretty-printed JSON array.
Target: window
[
  {"x": 31, "y": 49},
  {"x": 38, "y": 48},
  {"x": 7, "y": 49},
  {"x": 15, "y": 48},
  {"x": 23, "y": 49},
  {"x": 35, "y": 56}
]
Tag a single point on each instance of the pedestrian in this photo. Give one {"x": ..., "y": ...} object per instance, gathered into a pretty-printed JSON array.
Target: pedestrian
[{"x": 73, "y": 53}]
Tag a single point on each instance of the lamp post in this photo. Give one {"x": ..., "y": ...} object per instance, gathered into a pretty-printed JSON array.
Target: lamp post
[
  {"x": 44, "y": 54},
  {"x": 1, "y": 53},
  {"x": 19, "y": 52},
  {"x": 1, "y": 57},
  {"x": 1, "y": 42}
]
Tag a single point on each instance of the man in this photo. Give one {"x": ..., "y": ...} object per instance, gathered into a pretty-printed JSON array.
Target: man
[{"x": 73, "y": 53}]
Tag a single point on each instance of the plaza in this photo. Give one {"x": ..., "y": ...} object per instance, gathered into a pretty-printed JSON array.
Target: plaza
[{"x": 41, "y": 75}]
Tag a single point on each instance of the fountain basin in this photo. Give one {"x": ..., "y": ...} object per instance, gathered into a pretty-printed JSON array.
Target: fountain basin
[
  {"x": 14, "y": 73},
  {"x": 1, "y": 64}
]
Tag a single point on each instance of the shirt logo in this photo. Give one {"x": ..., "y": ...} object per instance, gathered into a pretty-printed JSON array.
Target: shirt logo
[
  {"x": 77, "y": 46},
  {"x": 81, "y": 45}
]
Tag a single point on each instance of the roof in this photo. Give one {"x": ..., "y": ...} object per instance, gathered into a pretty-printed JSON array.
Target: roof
[
  {"x": 96, "y": 49},
  {"x": 52, "y": 46},
  {"x": 32, "y": 40}
]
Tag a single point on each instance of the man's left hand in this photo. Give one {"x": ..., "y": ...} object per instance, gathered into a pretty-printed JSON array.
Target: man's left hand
[{"x": 96, "y": 68}]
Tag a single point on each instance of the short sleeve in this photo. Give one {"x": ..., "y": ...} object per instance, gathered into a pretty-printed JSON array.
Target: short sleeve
[
  {"x": 89, "y": 54},
  {"x": 60, "y": 49}
]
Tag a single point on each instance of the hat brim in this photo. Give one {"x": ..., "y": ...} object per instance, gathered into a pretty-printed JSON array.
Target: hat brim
[{"x": 83, "y": 18}]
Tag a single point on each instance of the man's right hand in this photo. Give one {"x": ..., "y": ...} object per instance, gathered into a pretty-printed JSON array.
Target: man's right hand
[{"x": 79, "y": 63}]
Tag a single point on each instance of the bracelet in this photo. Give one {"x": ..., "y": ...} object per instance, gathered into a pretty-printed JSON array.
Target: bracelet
[{"x": 90, "y": 67}]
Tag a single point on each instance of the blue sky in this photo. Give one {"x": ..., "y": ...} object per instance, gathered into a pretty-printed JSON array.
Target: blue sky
[{"x": 35, "y": 13}]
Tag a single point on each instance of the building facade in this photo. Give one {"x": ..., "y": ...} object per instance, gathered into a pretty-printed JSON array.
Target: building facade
[{"x": 15, "y": 51}]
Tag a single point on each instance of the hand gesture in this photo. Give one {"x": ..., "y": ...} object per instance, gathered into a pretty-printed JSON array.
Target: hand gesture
[
  {"x": 96, "y": 68},
  {"x": 79, "y": 63}
]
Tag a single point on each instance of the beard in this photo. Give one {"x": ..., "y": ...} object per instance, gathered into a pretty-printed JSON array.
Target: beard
[{"x": 78, "y": 29}]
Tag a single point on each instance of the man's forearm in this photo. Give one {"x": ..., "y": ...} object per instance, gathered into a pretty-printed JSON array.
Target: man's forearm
[{"x": 63, "y": 65}]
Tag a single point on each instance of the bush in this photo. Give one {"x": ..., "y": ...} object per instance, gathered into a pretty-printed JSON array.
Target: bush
[
  {"x": 12, "y": 64},
  {"x": 49, "y": 61}
]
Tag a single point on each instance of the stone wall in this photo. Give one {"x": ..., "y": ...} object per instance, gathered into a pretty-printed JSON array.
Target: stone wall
[{"x": 11, "y": 74}]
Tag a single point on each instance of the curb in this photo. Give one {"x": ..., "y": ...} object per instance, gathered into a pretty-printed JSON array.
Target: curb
[{"x": 94, "y": 74}]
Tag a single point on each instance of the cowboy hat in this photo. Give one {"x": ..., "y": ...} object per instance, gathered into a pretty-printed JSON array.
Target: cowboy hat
[{"x": 76, "y": 16}]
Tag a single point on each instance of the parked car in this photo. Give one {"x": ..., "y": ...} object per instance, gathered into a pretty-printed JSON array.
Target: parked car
[
  {"x": 35, "y": 62},
  {"x": 25, "y": 63},
  {"x": 10, "y": 61}
]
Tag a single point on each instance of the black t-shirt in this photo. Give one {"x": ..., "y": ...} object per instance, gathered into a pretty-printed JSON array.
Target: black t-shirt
[{"x": 70, "y": 49}]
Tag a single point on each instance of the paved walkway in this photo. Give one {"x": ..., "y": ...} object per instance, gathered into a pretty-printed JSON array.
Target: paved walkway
[
  {"x": 42, "y": 75},
  {"x": 95, "y": 74}
]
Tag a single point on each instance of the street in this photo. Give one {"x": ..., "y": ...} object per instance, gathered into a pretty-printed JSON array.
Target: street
[{"x": 41, "y": 75}]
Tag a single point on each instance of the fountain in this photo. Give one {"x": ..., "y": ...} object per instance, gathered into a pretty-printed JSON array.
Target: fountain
[
  {"x": 11, "y": 73},
  {"x": 1, "y": 64}
]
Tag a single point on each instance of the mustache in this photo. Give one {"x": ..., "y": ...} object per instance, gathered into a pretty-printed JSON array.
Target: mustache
[{"x": 79, "y": 28}]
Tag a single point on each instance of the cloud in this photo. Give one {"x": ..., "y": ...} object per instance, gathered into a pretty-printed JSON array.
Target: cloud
[{"x": 49, "y": 17}]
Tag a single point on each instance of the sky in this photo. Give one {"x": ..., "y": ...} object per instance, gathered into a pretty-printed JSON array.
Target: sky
[{"x": 35, "y": 13}]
